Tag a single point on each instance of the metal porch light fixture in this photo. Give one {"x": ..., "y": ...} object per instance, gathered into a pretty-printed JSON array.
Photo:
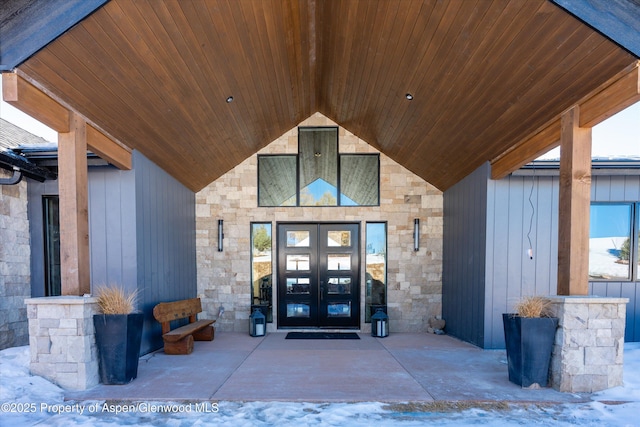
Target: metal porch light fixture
[
  {"x": 220, "y": 235},
  {"x": 257, "y": 323},
  {"x": 380, "y": 324},
  {"x": 416, "y": 234}
]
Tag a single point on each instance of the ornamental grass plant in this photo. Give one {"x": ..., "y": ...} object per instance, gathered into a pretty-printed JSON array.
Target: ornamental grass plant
[
  {"x": 113, "y": 299},
  {"x": 533, "y": 306}
]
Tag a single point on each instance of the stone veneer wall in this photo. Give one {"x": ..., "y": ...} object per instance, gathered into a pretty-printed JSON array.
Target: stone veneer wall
[
  {"x": 61, "y": 340},
  {"x": 15, "y": 275},
  {"x": 414, "y": 279},
  {"x": 589, "y": 346}
]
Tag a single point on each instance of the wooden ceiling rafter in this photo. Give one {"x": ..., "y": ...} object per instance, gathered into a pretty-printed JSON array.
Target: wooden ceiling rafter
[
  {"x": 616, "y": 94},
  {"x": 485, "y": 74},
  {"x": 469, "y": 125}
]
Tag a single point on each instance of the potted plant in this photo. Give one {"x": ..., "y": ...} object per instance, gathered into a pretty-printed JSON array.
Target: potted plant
[
  {"x": 118, "y": 331},
  {"x": 529, "y": 335}
]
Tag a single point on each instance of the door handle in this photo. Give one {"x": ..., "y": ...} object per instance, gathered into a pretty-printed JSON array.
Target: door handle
[{"x": 321, "y": 290}]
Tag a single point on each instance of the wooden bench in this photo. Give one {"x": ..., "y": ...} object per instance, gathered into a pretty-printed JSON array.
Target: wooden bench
[{"x": 180, "y": 340}]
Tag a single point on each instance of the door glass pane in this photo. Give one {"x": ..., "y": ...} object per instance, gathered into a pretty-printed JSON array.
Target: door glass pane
[
  {"x": 297, "y": 239},
  {"x": 318, "y": 172},
  {"x": 339, "y": 285},
  {"x": 376, "y": 267},
  {"x": 339, "y": 262},
  {"x": 297, "y": 310},
  {"x": 261, "y": 267},
  {"x": 339, "y": 309},
  {"x": 298, "y": 262},
  {"x": 359, "y": 180},
  {"x": 338, "y": 238},
  {"x": 277, "y": 180},
  {"x": 298, "y": 285},
  {"x": 610, "y": 242}
]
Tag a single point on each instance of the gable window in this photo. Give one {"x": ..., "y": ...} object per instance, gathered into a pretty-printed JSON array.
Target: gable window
[
  {"x": 277, "y": 185},
  {"x": 318, "y": 171},
  {"x": 319, "y": 175}
]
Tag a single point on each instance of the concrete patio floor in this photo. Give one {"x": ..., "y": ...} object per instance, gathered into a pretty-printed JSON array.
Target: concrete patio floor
[{"x": 403, "y": 367}]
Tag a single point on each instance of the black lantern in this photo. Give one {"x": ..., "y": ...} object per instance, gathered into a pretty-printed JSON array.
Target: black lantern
[
  {"x": 257, "y": 323},
  {"x": 380, "y": 324}
]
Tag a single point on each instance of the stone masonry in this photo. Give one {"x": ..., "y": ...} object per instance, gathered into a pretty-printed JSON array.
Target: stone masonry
[
  {"x": 61, "y": 340},
  {"x": 588, "y": 351},
  {"x": 414, "y": 278},
  {"x": 15, "y": 274}
]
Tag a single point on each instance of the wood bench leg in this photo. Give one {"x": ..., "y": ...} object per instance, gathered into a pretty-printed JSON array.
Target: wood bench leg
[
  {"x": 204, "y": 334},
  {"x": 184, "y": 346}
]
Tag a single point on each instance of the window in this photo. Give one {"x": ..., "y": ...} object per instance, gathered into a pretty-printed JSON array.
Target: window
[
  {"x": 261, "y": 268},
  {"x": 51, "y": 221},
  {"x": 612, "y": 256},
  {"x": 277, "y": 184},
  {"x": 318, "y": 171},
  {"x": 318, "y": 175},
  {"x": 359, "y": 180},
  {"x": 376, "y": 268}
]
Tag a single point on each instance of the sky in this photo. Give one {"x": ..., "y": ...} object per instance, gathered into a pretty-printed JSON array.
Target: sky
[{"x": 615, "y": 137}]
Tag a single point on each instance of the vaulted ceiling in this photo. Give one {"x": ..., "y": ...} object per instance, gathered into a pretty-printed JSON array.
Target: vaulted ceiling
[{"x": 484, "y": 75}]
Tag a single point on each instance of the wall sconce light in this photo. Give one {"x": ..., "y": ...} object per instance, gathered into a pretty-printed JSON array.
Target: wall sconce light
[
  {"x": 220, "y": 235},
  {"x": 416, "y": 234}
]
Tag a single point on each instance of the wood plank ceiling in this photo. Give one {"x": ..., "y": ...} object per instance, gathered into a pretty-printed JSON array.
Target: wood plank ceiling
[{"x": 155, "y": 75}]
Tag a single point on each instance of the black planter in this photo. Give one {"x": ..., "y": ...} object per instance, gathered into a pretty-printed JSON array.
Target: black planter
[
  {"x": 118, "y": 338},
  {"x": 529, "y": 343}
]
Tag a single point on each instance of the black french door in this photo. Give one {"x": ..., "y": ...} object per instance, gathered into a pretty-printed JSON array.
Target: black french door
[{"x": 318, "y": 275}]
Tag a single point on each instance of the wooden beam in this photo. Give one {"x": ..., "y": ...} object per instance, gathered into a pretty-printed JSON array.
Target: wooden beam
[
  {"x": 612, "y": 99},
  {"x": 536, "y": 145},
  {"x": 25, "y": 97},
  {"x": 574, "y": 205},
  {"x": 615, "y": 95},
  {"x": 74, "y": 211},
  {"x": 108, "y": 149}
]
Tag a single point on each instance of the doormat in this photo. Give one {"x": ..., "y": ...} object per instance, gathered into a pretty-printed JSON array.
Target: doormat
[{"x": 322, "y": 336}]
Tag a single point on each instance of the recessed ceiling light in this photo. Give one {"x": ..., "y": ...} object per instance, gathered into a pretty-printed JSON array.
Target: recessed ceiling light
[
  {"x": 229, "y": 99},
  {"x": 408, "y": 96}
]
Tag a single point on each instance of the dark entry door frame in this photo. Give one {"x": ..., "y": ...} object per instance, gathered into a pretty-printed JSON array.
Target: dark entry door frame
[{"x": 318, "y": 270}]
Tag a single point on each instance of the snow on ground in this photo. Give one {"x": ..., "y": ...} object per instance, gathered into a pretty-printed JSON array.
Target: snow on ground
[
  {"x": 602, "y": 259},
  {"x": 28, "y": 400}
]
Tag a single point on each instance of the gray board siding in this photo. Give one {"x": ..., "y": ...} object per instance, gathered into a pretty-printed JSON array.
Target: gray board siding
[
  {"x": 166, "y": 249},
  {"x": 510, "y": 272},
  {"x": 141, "y": 235},
  {"x": 112, "y": 227},
  {"x": 464, "y": 252}
]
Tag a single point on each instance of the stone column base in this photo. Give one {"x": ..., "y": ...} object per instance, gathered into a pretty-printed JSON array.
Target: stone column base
[
  {"x": 588, "y": 350},
  {"x": 61, "y": 340}
]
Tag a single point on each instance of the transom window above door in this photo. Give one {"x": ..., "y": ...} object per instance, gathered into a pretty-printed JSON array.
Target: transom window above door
[{"x": 318, "y": 175}]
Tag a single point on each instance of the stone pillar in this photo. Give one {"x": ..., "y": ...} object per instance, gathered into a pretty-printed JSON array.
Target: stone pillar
[
  {"x": 61, "y": 340},
  {"x": 588, "y": 350}
]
